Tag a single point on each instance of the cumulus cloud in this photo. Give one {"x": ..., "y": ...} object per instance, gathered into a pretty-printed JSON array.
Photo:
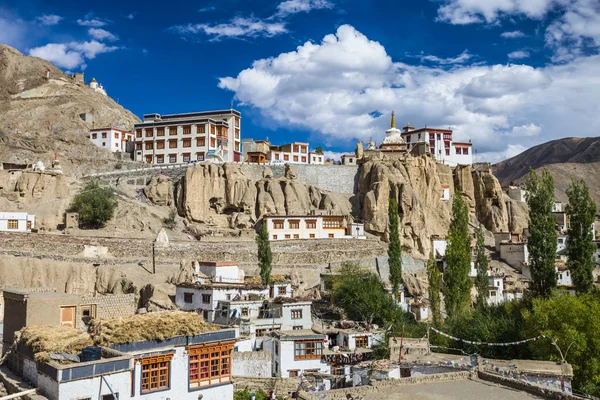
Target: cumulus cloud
[
  {"x": 101, "y": 34},
  {"x": 289, "y": 7},
  {"x": 49, "y": 20},
  {"x": 462, "y": 12},
  {"x": 238, "y": 27},
  {"x": 92, "y": 22},
  {"x": 512, "y": 34},
  {"x": 519, "y": 54},
  {"x": 344, "y": 88},
  {"x": 71, "y": 55}
]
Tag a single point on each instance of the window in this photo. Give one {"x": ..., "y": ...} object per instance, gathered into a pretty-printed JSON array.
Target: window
[
  {"x": 492, "y": 293},
  {"x": 297, "y": 327},
  {"x": 13, "y": 224},
  {"x": 277, "y": 156},
  {"x": 172, "y": 144},
  {"x": 206, "y": 298},
  {"x": 138, "y": 146},
  {"x": 293, "y": 373},
  {"x": 466, "y": 150},
  {"x": 308, "y": 349},
  {"x": 339, "y": 371},
  {"x": 138, "y": 133},
  {"x": 187, "y": 142},
  {"x": 149, "y": 159},
  {"x": 172, "y": 158},
  {"x": 439, "y": 136},
  {"x": 186, "y": 157},
  {"x": 213, "y": 129},
  {"x": 188, "y": 297},
  {"x": 205, "y": 315},
  {"x": 160, "y": 131},
  {"x": 200, "y": 142},
  {"x": 303, "y": 159},
  {"x": 362, "y": 341},
  {"x": 187, "y": 129},
  {"x": 103, "y": 135},
  {"x": 296, "y": 236},
  {"x": 276, "y": 348},
  {"x": 282, "y": 290},
  {"x": 261, "y": 332},
  {"x": 200, "y": 156},
  {"x": 288, "y": 236},
  {"x": 94, "y": 136},
  {"x": 447, "y": 152},
  {"x": 199, "y": 128},
  {"x": 110, "y": 396},
  {"x": 160, "y": 144},
  {"x": 304, "y": 149},
  {"x": 212, "y": 143},
  {"x": 458, "y": 150},
  {"x": 172, "y": 130},
  {"x": 332, "y": 223},
  {"x": 297, "y": 314},
  {"x": 331, "y": 236},
  {"x": 312, "y": 235},
  {"x": 294, "y": 224},
  {"x": 155, "y": 372},
  {"x": 160, "y": 159},
  {"x": 296, "y": 149},
  {"x": 244, "y": 311},
  {"x": 286, "y": 157},
  {"x": 237, "y": 133},
  {"x": 296, "y": 158},
  {"x": 274, "y": 237},
  {"x": 210, "y": 365},
  {"x": 88, "y": 310},
  {"x": 148, "y": 145},
  {"x": 278, "y": 224},
  {"x": 149, "y": 132},
  {"x": 312, "y": 224}
]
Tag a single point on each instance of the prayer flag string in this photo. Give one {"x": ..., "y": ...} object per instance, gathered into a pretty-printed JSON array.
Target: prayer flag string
[{"x": 475, "y": 342}]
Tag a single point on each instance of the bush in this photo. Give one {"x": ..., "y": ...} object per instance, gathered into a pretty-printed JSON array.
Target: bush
[
  {"x": 95, "y": 205},
  {"x": 169, "y": 222}
]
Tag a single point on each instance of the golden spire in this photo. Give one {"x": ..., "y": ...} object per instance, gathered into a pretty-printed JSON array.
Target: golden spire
[{"x": 393, "y": 120}]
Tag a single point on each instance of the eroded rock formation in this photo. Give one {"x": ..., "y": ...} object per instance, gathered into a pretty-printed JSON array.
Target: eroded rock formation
[{"x": 160, "y": 190}]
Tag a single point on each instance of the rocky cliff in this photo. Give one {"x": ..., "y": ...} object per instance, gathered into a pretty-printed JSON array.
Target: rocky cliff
[{"x": 39, "y": 116}]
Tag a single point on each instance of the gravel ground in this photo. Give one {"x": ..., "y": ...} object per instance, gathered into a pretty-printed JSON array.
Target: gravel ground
[{"x": 463, "y": 390}]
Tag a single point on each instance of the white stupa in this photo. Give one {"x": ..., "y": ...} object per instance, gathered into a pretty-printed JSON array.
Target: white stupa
[{"x": 393, "y": 136}]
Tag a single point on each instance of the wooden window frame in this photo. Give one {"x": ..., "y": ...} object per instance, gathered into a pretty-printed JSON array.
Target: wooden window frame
[
  {"x": 92, "y": 310},
  {"x": 200, "y": 142},
  {"x": 295, "y": 158},
  {"x": 209, "y": 364},
  {"x": 297, "y": 313},
  {"x": 200, "y": 156},
  {"x": 187, "y": 129},
  {"x": 171, "y": 156},
  {"x": 188, "y": 297},
  {"x": 312, "y": 236},
  {"x": 297, "y": 327},
  {"x": 296, "y": 236},
  {"x": 294, "y": 223},
  {"x": 13, "y": 224},
  {"x": 149, "y": 145},
  {"x": 172, "y": 131},
  {"x": 308, "y": 349},
  {"x": 286, "y": 157},
  {"x": 94, "y": 136},
  {"x": 156, "y": 370},
  {"x": 245, "y": 311},
  {"x": 361, "y": 342},
  {"x": 206, "y": 296},
  {"x": 160, "y": 131},
  {"x": 200, "y": 129},
  {"x": 278, "y": 224},
  {"x": 333, "y": 223},
  {"x": 138, "y": 133},
  {"x": 172, "y": 143},
  {"x": 187, "y": 143},
  {"x": 160, "y": 144},
  {"x": 149, "y": 132},
  {"x": 288, "y": 236},
  {"x": 293, "y": 372},
  {"x": 186, "y": 155},
  {"x": 281, "y": 290},
  {"x": 138, "y": 146},
  {"x": 311, "y": 224}
]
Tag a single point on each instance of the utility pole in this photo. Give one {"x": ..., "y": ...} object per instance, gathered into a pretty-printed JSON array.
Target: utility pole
[{"x": 401, "y": 343}]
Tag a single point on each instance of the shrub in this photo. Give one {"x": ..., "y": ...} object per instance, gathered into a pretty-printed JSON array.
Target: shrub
[
  {"x": 169, "y": 221},
  {"x": 94, "y": 204}
]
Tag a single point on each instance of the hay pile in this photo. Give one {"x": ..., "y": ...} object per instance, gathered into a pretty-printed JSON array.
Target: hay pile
[
  {"x": 43, "y": 340},
  {"x": 256, "y": 280},
  {"x": 151, "y": 326}
]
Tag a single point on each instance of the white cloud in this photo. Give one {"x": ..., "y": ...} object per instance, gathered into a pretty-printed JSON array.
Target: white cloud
[
  {"x": 337, "y": 87},
  {"x": 519, "y": 54},
  {"x": 460, "y": 59},
  {"x": 333, "y": 155},
  {"x": 71, "y": 55},
  {"x": 207, "y": 9},
  {"x": 575, "y": 25},
  {"x": 49, "y": 20},
  {"x": 289, "y": 7},
  {"x": 92, "y": 22},
  {"x": 512, "y": 35},
  {"x": 101, "y": 34},
  {"x": 238, "y": 27},
  {"x": 525, "y": 130}
]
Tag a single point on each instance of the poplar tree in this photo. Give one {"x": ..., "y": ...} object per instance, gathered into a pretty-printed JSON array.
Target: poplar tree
[
  {"x": 581, "y": 212},
  {"x": 265, "y": 256},
  {"x": 542, "y": 233},
  {"x": 481, "y": 264},
  {"x": 458, "y": 260},
  {"x": 433, "y": 276},
  {"x": 394, "y": 249}
]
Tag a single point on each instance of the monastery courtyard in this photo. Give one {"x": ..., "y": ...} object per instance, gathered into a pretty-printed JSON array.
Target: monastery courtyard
[{"x": 461, "y": 389}]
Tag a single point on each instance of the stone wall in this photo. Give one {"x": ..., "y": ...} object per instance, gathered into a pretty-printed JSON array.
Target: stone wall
[
  {"x": 252, "y": 364},
  {"x": 281, "y": 386},
  {"x": 110, "y": 306},
  {"x": 375, "y": 387},
  {"x": 535, "y": 390},
  {"x": 334, "y": 178}
]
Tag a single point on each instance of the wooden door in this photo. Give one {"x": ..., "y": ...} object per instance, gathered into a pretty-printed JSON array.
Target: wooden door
[{"x": 67, "y": 316}]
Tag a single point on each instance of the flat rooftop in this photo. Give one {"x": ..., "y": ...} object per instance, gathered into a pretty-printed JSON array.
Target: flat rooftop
[{"x": 298, "y": 334}]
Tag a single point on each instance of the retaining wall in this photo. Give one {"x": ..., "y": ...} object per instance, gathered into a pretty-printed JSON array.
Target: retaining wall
[{"x": 535, "y": 390}]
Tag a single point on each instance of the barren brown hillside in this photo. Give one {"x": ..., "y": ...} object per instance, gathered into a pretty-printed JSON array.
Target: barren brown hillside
[
  {"x": 39, "y": 117},
  {"x": 566, "y": 158}
]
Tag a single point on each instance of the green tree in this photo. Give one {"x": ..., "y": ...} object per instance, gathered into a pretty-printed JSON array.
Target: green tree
[
  {"x": 265, "y": 256},
  {"x": 433, "y": 276},
  {"x": 581, "y": 212},
  {"x": 394, "y": 249},
  {"x": 94, "y": 204},
  {"x": 572, "y": 321},
  {"x": 458, "y": 259},
  {"x": 542, "y": 231},
  {"x": 481, "y": 264},
  {"x": 319, "y": 150}
]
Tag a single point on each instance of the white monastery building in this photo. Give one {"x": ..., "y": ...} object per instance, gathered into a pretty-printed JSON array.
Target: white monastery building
[
  {"x": 285, "y": 227},
  {"x": 189, "y": 137},
  {"x": 111, "y": 138},
  {"x": 16, "y": 222},
  {"x": 441, "y": 145}
]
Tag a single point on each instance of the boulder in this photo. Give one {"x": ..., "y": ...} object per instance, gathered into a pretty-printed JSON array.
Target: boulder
[
  {"x": 290, "y": 172},
  {"x": 160, "y": 190},
  {"x": 463, "y": 181},
  {"x": 267, "y": 172},
  {"x": 489, "y": 199}
]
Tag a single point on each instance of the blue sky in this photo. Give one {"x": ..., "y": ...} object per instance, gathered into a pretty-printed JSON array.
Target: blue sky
[{"x": 506, "y": 74}]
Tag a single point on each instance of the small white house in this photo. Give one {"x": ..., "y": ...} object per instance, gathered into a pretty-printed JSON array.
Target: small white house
[
  {"x": 297, "y": 352},
  {"x": 111, "y": 138},
  {"x": 16, "y": 222},
  {"x": 563, "y": 276},
  {"x": 287, "y": 227},
  {"x": 496, "y": 289},
  {"x": 348, "y": 159},
  {"x": 445, "y": 193},
  {"x": 517, "y": 193}
]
